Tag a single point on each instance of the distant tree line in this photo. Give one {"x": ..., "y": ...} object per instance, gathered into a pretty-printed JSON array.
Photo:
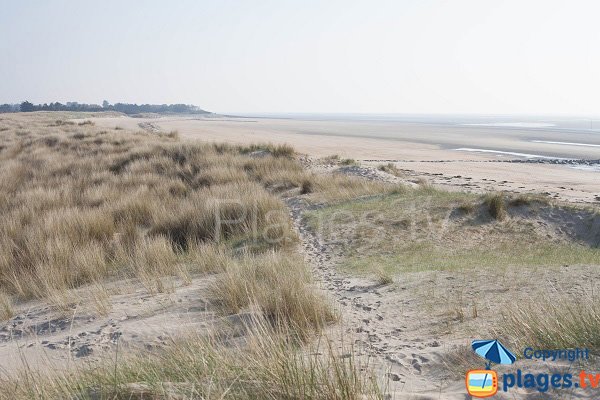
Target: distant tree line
[
  {"x": 125, "y": 108},
  {"x": 6, "y": 108}
]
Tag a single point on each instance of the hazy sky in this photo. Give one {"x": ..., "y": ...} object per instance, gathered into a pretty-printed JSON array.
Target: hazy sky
[{"x": 421, "y": 56}]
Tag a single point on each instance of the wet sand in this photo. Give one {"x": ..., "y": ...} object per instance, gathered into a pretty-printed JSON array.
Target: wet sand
[{"x": 420, "y": 148}]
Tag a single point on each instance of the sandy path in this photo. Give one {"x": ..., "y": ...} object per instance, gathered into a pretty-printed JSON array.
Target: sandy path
[
  {"x": 385, "y": 323},
  {"x": 383, "y": 320},
  {"x": 409, "y": 330}
]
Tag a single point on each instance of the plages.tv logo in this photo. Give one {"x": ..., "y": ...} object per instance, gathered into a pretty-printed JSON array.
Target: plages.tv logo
[{"x": 484, "y": 382}]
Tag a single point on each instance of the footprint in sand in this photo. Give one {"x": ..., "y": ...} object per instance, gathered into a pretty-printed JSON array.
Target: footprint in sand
[
  {"x": 415, "y": 364},
  {"x": 419, "y": 357},
  {"x": 394, "y": 377}
]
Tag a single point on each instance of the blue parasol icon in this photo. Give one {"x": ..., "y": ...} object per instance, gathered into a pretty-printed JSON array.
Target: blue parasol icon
[{"x": 493, "y": 351}]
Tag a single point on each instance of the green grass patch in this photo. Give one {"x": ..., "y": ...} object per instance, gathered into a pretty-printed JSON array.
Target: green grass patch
[
  {"x": 425, "y": 257},
  {"x": 430, "y": 229}
]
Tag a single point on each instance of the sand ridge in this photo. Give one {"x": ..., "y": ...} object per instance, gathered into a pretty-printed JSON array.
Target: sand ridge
[
  {"x": 415, "y": 332},
  {"x": 422, "y": 150}
]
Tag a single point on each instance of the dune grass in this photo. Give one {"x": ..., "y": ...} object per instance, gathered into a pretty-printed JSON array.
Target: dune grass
[
  {"x": 80, "y": 205},
  {"x": 277, "y": 285},
  {"x": 267, "y": 366},
  {"x": 280, "y": 150},
  {"x": 496, "y": 205},
  {"x": 555, "y": 321},
  {"x": 6, "y": 307},
  {"x": 337, "y": 188},
  {"x": 427, "y": 257},
  {"x": 429, "y": 229},
  {"x": 348, "y": 162},
  {"x": 390, "y": 168},
  {"x": 426, "y": 229}
]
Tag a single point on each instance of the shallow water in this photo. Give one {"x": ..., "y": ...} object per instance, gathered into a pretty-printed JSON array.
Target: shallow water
[
  {"x": 510, "y": 153},
  {"x": 566, "y": 143},
  {"x": 516, "y": 124}
]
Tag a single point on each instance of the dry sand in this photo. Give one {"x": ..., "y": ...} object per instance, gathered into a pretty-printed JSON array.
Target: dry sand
[
  {"x": 416, "y": 332},
  {"x": 407, "y": 329},
  {"x": 421, "y": 149},
  {"x": 47, "y": 339}
]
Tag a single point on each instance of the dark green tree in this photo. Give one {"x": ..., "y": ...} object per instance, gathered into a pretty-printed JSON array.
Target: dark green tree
[{"x": 27, "y": 107}]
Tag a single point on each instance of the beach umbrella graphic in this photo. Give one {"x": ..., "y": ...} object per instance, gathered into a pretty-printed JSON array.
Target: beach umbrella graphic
[{"x": 493, "y": 351}]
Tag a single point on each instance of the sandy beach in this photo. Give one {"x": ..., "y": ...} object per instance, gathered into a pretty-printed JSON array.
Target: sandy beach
[
  {"x": 423, "y": 150},
  {"x": 414, "y": 353},
  {"x": 398, "y": 236},
  {"x": 300, "y": 200}
]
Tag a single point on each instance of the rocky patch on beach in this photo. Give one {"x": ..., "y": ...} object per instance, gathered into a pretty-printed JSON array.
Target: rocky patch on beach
[{"x": 556, "y": 161}]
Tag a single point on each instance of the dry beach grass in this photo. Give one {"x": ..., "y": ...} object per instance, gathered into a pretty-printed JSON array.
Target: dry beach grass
[
  {"x": 83, "y": 206},
  {"x": 410, "y": 269}
]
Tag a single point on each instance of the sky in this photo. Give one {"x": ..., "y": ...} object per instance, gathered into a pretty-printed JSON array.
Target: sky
[{"x": 378, "y": 56}]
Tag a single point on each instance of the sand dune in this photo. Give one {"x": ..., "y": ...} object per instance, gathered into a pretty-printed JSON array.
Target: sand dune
[
  {"x": 421, "y": 149},
  {"x": 414, "y": 273}
]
